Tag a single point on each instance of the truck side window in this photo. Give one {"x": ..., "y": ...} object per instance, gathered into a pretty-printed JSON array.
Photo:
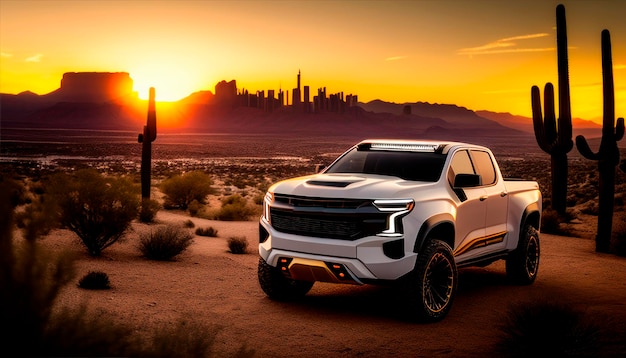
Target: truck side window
[
  {"x": 484, "y": 166},
  {"x": 461, "y": 164}
]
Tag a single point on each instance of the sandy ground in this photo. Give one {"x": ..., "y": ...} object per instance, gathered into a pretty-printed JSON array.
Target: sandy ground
[{"x": 210, "y": 284}]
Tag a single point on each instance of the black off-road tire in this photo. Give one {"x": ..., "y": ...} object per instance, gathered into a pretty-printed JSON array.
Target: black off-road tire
[
  {"x": 522, "y": 265},
  {"x": 433, "y": 283},
  {"x": 279, "y": 287}
]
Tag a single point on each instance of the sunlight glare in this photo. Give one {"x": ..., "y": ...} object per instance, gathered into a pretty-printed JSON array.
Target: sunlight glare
[{"x": 172, "y": 83}]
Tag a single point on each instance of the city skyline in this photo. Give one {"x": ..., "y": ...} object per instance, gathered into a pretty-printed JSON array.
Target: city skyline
[{"x": 482, "y": 55}]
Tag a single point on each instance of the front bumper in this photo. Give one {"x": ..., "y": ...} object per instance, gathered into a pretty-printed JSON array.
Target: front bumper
[{"x": 312, "y": 259}]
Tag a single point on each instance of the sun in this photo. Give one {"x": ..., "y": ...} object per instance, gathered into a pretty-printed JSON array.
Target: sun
[{"x": 172, "y": 83}]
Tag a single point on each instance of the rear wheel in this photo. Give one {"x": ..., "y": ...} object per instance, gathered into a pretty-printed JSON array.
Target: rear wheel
[
  {"x": 433, "y": 282},
  {"x": 279, "y": 287},
  {"x": 522, "y": 264}
]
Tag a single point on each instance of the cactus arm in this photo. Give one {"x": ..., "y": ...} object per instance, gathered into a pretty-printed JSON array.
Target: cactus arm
[
  {"x": 549, "y": 121},
  {"x": 584, "y": 149},
  {"x": 540, "y": 133},
  {"x": 544, "y": 127},
  {"x": 619, "y": 129}
]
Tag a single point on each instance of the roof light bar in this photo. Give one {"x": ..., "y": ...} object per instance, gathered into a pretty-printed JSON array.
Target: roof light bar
[{"x": 405, "y": 147}]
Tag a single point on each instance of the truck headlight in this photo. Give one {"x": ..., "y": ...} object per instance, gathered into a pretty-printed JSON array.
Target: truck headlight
[
  {"x": 267, "y": 202},
  {"x": 397, "y": 209}
]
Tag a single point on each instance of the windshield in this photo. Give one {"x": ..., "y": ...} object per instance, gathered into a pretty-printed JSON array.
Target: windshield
[{"x": 416, "y": 166}]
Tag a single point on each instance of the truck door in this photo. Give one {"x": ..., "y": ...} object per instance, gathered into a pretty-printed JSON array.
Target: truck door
[
  {"x": 496, "y": 196},
  {"x": 471, "y": 207}
]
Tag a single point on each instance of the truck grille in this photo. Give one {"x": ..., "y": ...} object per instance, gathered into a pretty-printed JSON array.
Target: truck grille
[{"x": 327, "y": 218}]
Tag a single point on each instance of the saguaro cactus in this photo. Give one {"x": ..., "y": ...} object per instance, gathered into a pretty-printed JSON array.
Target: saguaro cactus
[
  {"x": 148, "y": 136},
  {"x": 555, "y": 136},
  {"x": 608, "y": 153}
]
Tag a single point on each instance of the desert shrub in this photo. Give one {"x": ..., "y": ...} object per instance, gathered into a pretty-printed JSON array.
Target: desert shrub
[
  {"x": 95, "y": 280},
  {"x": 234, "y": 207},
  {"x": 149, "y": 209},
  {"x": 206, "y": 231},
  {"x": 591, "y": 207},
  {"x": 181, "y": 190},
  {"x": 165, "y": 243},
  {"x": 73, "y": 332},
  {"x": 259, "y": 198},
  {"x": 570, "y": 215},
  {"x": 37, "y": 187},
  {"x": 192, "y": 337},
  {"x": 238, "y": 181},
  {"x": 550, "y": 221},
  {"x": 30, "y": 282},
  {"x": 76, "y": 333},
  {"x": 194, "y": 207},
  {"x": 186, "y": 337},
  {"x": 14, "y": 190},
  {"x": 263, "y": 186},
  {"x": 38, "y": 217},
  {"x": 98, "y": 209},
  {"x": 237, "y": 245},
  {"x": 550, "y": 330},
  {"x": 189, "y": 224}
]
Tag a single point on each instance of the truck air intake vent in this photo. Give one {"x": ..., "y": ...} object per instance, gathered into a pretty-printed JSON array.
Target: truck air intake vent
[{"x": 335, "y": 184}]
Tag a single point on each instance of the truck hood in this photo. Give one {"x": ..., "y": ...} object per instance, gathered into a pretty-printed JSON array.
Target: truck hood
[{"x": 349, "y": 186}]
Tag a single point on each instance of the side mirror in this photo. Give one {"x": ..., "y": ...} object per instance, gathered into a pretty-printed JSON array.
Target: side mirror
[
  {"x": 467, "y": 180},
  {"x": 319, "y": 168}
]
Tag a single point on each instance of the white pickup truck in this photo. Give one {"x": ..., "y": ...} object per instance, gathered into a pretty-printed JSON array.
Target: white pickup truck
[{"x": 399, "y": 211}]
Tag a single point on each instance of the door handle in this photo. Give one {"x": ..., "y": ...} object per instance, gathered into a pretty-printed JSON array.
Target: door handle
[{"x": 483, "y": 198}]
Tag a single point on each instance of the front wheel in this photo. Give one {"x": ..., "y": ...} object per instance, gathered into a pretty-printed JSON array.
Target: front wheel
[
  {"x": 433, "y": 282},
  {"x": 279, "y": 287},
  {"x": 522, "y": 264}
]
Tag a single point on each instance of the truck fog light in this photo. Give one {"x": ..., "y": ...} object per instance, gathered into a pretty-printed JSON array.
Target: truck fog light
[
  {"x": 283, "y": 265},
  {"x": 339, "y": 271}
]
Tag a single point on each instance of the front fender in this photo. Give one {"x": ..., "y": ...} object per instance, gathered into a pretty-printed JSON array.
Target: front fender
[{"x": 441, "y": 225}]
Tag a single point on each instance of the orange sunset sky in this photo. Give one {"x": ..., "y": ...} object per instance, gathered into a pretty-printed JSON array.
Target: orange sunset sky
[{"x": 480, "y": 54}]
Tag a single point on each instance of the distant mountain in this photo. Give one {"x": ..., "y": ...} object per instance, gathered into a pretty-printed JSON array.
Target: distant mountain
[
  {"x": 460, "y": 117},
  {"x": 201, "y": 97},
  {"x": 27, "y": 111},
  {"x": 464, "y": 117},
  {"x": 579, "y": 126},
  {"x": 94, "y": 87}
]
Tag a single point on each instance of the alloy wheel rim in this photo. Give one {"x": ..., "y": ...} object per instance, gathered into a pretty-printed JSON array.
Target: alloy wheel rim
[
  {"x": 532, "y": 257},
  {"x": 438, "y": 283}
]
